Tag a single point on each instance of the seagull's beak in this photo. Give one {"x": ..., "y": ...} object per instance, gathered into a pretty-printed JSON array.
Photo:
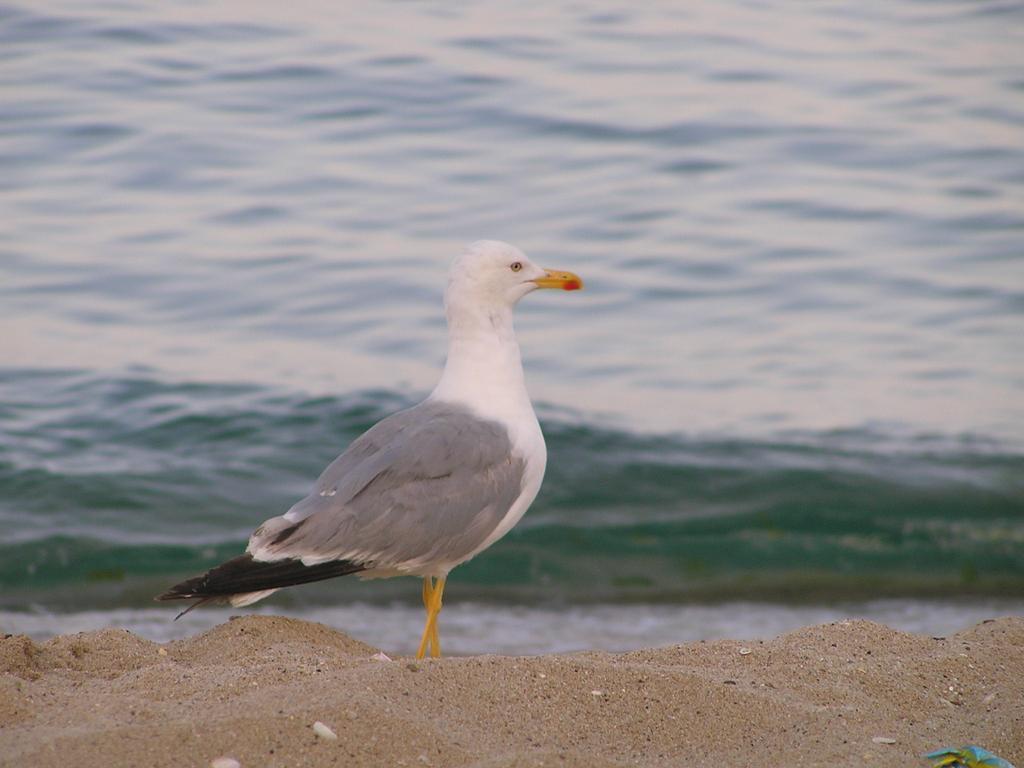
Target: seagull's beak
[{"x": 554, "y": 278}]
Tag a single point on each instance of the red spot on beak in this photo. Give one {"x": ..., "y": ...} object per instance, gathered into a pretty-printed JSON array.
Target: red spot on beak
[{"x": 571, "y": 285}]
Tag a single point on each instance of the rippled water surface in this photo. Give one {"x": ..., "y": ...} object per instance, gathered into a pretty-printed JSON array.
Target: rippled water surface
[
  {"x": 789, "y": 215},
  {"x": 225, "y": 229}
]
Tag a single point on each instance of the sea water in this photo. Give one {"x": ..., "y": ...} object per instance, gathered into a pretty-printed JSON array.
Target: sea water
[{"x": 790, "y": 393}]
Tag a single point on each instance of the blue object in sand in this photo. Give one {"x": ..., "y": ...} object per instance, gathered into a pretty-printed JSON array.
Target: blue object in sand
[{"x": 966, "y": 757}]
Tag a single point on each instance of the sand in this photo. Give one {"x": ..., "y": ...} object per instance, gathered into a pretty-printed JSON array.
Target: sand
[{"x": 252, "y": 688}]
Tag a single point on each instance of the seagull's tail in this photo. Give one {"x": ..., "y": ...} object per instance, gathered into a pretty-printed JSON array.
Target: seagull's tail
[{"x": 243, "y": 580}]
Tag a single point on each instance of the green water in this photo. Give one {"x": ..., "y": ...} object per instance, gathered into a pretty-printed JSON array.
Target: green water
[
  {"x": 794, "y": 378},
  {"x": 110, "y": 487}
]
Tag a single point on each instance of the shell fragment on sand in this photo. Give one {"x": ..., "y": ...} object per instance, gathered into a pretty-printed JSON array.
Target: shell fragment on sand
[{"x": 324, "y": 732}]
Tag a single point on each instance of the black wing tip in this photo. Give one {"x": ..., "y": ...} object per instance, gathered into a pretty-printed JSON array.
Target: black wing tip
[
  {"x": 177, "y": 592},
  {"x": 174, "y": 594},
  {"x": 186, "y": 590},
  {"x": 210, "y": 584},
  {"x": 243, "y": 574}
]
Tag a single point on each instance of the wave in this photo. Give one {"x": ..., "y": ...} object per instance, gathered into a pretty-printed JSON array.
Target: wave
[{"x": 116, "y": 485}]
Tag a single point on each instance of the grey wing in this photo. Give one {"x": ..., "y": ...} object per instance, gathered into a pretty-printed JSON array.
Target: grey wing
[{"x": 426, "y": 485}]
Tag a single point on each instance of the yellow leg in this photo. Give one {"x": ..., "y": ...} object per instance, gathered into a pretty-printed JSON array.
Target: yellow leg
[
  {"x": 428, "y": 598},
  {"x": 432, "y": 602},
  {"x": 435, "y": 640}
]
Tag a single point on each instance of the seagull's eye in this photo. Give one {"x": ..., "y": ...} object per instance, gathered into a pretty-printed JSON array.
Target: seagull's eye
[{"x": 516, "y": 266}]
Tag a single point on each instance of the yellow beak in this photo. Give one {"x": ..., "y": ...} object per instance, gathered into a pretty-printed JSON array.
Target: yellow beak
[{"x": 553, "y": 278}]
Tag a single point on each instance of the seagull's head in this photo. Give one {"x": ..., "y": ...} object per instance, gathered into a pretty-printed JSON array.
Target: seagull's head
[{"x": 490, "y": 273}]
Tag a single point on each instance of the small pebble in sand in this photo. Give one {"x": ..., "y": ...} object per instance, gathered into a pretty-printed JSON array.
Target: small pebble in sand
[
  {"x": 380, "y": 657},
  {"x": 323, "y": 731},
  {"x": 597, "y": 693},
  {"x": 745, "y": 651},
  {"x": 225, "y": 762},
  {"x": 883, "y": 740}
]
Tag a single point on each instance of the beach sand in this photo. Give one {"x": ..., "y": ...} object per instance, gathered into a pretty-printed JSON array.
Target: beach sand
[{"x": 251, "y": 689}]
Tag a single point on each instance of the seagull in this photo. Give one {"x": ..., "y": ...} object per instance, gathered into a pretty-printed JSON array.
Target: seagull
[{"x": 429, "y": 487}]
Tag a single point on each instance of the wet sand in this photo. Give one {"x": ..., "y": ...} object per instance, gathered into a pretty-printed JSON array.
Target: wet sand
[{"x": 851, "y": 693}]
